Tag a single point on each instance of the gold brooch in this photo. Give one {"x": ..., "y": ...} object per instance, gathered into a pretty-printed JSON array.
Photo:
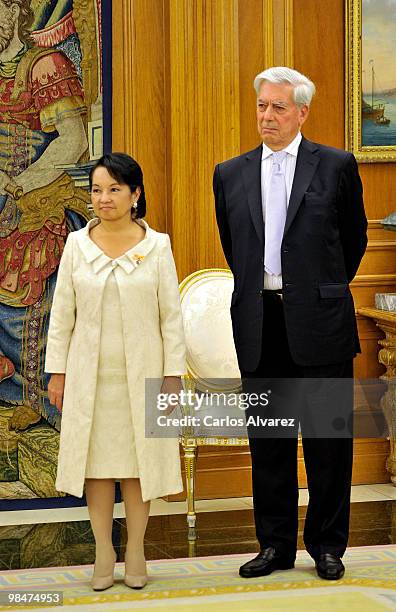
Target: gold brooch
[{"x": 138, "y": 258}]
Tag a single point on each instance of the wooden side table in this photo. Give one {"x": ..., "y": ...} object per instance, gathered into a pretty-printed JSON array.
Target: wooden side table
[{"x": 386, "y": 321}]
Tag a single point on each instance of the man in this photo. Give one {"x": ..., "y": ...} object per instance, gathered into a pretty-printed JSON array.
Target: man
[
  {"x": 41, "y": 129},
  {"x": 293, "y": 229}
]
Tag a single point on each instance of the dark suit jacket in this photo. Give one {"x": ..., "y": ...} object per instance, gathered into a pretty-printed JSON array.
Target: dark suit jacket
[{"x": 323, "y": 243}]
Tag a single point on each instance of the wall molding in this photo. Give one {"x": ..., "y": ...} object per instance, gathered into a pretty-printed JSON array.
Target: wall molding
[
  {"x": 375, "y": 224},
  {"x": 124, "y": 110},
  {"x": 278, "y": 33},
  {"x": 373, "y": 280},
  {"x": 289, "y": 40},
  {"x": 381, "y": 245},
  {"x": 268, "y": 22}
]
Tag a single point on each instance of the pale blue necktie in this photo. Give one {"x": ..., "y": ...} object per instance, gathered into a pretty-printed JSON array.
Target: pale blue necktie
[{"x": 275, "y": 215}]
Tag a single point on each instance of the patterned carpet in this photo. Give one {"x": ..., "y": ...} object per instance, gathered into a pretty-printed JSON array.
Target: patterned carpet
[{"x": 212, "y": 584}]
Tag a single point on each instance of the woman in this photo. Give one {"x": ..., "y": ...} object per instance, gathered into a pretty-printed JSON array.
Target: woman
[{"x": 115, "y": 322}]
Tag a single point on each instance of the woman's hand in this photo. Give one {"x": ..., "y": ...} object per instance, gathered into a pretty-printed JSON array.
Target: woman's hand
[
  {"x": 171, "y": 385},
  {"x": 56, "y": 387}
]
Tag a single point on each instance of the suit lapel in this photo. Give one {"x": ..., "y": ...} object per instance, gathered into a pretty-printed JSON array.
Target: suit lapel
[
  {"x": 251, "y": 173},
  {"x": 307, "y": 161}
]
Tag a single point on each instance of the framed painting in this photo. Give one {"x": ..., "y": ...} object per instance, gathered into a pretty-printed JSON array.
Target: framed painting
[{"x": 371, "y": 79}]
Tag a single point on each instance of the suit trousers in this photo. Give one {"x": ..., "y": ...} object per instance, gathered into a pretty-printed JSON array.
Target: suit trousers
[{"x": 328, "y": 460}]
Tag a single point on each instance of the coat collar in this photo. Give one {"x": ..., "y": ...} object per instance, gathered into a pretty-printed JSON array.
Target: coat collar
[
  {"x": 251, "y": 173},
  {"x": 129, "y": 261},
  {"x": 306, "y": 164}
]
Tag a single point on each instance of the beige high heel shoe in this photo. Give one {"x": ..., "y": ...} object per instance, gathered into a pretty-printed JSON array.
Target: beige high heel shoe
[
  {"x": 101, "y": 583},
  {"x": 135, "y": 581}
]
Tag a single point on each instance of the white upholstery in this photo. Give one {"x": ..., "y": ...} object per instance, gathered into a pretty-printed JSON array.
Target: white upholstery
[
  {"x": 211, "y": 356},
  {"x": 212, "y": 366}
]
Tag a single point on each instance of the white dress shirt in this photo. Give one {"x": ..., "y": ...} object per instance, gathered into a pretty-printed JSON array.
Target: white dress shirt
[{"x": 289, "y": 167}]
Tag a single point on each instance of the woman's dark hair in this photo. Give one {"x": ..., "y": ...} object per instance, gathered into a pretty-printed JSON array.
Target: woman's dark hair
[{"x": 125, "y": 170}]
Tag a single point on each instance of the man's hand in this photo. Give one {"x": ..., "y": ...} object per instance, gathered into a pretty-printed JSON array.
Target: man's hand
[
  {"x": 171, "y": 384},
  {"x": 56, "y": 387}
]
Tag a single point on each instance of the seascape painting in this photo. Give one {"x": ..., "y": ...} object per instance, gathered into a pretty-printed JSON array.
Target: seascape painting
[
  {"x": 378, "y": 72},
  {"x": 370, "y": 109}
]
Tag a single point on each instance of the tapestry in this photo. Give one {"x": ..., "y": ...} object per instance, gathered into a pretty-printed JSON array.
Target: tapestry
[{"x": 50, "y": 129}]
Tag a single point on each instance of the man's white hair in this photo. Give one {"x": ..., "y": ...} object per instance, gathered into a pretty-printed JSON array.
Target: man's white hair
[{"x": 304, "y": 89}]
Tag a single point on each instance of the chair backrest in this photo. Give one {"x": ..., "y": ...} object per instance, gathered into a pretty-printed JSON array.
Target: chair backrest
[{"x": 211, "y": 357}]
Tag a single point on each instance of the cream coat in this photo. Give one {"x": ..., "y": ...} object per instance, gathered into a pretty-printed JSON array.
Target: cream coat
[{"x": 154, "y": 347}]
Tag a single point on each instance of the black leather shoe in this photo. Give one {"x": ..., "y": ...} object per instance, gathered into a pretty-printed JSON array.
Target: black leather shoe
[
  {"x": 265, "y": 563},
  {"x": 330, "y": 567}
]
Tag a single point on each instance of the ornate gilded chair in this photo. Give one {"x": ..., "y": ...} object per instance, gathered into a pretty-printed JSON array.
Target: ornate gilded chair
[{"x": 211, "y": 362}]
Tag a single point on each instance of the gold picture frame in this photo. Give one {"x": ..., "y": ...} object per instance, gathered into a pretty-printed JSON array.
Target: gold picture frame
[{"x": 370, "y": 116}]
